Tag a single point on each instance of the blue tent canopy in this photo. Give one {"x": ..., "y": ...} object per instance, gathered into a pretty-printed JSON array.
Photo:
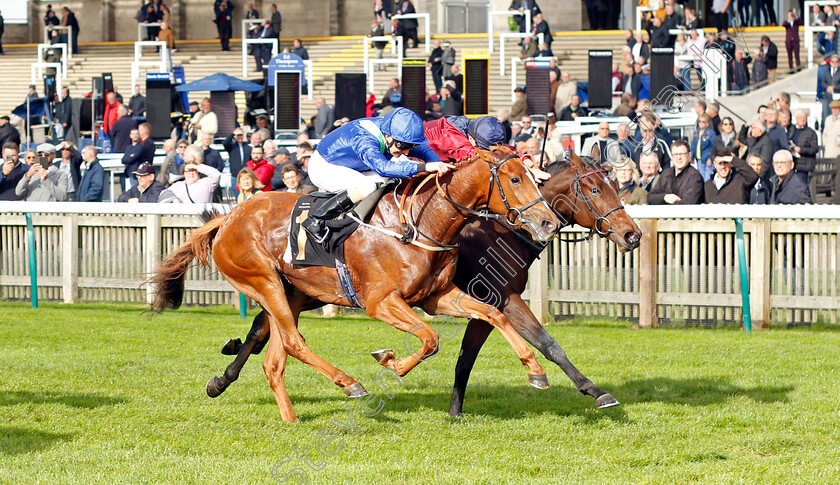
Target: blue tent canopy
[{"x": 219, "y": 82}]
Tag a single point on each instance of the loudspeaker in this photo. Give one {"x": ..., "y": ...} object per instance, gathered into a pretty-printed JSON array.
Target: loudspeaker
[
  {"x": 476, "y": 88},
  {"x": 414, "y": 86},
  {"x": 538, "y": 88},
  {"x": 350, "y": 96},
  {"x": 98, "y": 94},
  {"x": 108, "y": 82},
  {"x": 600, "y": 79},
  {"x": 661, "y": 70},
  {"x": 84, "y": 113},
  {"x": 287, "y": 100},
  {"x": 159, "y": 104}
]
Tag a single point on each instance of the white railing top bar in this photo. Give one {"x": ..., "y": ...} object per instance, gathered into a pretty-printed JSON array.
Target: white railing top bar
[
  {"x": 703, "y": 211},
  {"x": 733, "y": 211},
  {"x": 108, "y": 208}
]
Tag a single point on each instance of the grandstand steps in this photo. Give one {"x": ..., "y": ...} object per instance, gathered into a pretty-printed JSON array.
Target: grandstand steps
[{"x": 202, "y": 58}]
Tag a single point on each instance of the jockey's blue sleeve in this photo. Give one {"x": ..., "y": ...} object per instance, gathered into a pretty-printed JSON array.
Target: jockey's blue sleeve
[
  {"x": 381, "y": 164},
  {"x": 423, "y": 152}
]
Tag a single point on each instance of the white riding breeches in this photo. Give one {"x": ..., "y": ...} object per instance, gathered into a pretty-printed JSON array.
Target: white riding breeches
[{"x": 335, "y": 178}]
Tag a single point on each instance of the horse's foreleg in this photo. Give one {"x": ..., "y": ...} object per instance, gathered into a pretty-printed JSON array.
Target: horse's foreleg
[
  {"x": 458, "y": 304},
  {"x": 527, "y": 325},
  {"x": 394, "y": 311},
  {"x": 474, "y": 338},
  {"x": 258, "y": 335}
]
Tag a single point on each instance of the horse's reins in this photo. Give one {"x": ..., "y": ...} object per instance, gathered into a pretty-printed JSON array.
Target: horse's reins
[
  {"x": 511, "y": 216},
  {"x": 511, "y": 211},
  {"x": 410, "y": 226}
]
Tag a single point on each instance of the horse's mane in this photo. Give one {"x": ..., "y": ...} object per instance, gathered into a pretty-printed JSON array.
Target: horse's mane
[
  {"x": 557, "y": 166},
  {"x": 564, "y": 164}
]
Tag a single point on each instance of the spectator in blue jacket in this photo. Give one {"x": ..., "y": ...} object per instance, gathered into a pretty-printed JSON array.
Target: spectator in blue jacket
[
  {"x": 785, "y": 187},
  {"x": 775, "y": 131},
  {"x": 826, "y": 43},
  {"x": 93, "y": 177},
  {"x": 701, "y": 147}
]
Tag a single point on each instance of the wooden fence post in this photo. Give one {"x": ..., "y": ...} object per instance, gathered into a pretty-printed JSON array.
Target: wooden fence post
[
  {"x": 647, "y": 274},
  {"x": 153, "y": 249},
  {"x": 538, "y": 294},
  {"x": 761, "y": 247},
  {"x": 70, "y": 258}
]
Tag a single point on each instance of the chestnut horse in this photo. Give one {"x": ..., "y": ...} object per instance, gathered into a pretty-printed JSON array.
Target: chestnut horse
[
  {"x": 578, "y": 194},
  {"x": 389, "y": 276}
]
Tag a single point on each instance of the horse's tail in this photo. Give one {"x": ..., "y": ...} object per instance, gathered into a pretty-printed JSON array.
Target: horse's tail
[{"x": 168, "y": 278}]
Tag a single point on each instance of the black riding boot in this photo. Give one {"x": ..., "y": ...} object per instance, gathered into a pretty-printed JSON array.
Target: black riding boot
[{"x": 315, "y": 224}]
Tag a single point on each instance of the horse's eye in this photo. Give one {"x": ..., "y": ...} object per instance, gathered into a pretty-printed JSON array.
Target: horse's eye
[
  {"x": 595, "y": 191},
  {"x": 515, "y": 180}
]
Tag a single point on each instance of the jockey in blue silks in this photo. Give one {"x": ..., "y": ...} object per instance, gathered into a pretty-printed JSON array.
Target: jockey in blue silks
[{"x": 353, "y": 159}]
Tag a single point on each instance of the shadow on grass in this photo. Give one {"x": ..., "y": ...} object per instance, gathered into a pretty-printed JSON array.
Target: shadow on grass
[
  {"x": 693, "y": 391},
  {"x": 86, "y": 401},
  {"x": 518, "y": 402},
  {"x": 501, "y": 402},
  {"x": 15, "y": 441}
]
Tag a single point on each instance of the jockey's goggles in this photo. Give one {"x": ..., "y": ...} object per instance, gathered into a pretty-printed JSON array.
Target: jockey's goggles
[{"x": 401, "y": 145}]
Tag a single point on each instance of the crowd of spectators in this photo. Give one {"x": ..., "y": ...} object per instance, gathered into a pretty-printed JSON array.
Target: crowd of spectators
[{"x": 767, "y": 160}]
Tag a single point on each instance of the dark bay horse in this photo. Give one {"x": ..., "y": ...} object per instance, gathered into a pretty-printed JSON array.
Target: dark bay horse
[
  {"x": 389, "y": 277},
  {"x": 578, "y": 194}
]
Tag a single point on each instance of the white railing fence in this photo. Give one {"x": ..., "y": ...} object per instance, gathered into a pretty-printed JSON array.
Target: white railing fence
[{"x": 685, "y": 272}]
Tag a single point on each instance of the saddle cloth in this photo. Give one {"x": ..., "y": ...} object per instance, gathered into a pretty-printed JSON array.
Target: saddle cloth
[{"x": 304, "y": 251}]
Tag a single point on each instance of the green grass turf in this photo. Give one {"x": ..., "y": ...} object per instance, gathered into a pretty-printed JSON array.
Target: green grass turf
[{"x": 103, "y": 394}]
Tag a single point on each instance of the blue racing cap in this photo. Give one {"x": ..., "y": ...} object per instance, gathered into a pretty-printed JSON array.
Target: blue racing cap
[
  {"x": 404, "y": 125},
  {"x": 487, "y": 131}
]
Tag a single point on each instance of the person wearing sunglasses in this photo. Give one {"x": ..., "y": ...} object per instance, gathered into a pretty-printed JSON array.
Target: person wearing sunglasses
[
  {"x": 728, "y": 138},
  {"x": 353, "y": 159}
]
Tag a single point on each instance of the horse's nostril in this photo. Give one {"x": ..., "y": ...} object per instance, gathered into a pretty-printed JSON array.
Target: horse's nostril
[
  {"x": 549, "y": 226},
  {"x": 633, "y": 238}
]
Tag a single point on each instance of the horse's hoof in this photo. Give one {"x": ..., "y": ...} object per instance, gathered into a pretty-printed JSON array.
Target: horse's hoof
[
  {"x": 355, "y": 390},
  {"x": 214, "y": 389},
  {"x": 540, "y": 381},
  {"x": 383, "y": 355},
  {"x": 232, "y": 347},
  {"x": 605, "y": 401}
]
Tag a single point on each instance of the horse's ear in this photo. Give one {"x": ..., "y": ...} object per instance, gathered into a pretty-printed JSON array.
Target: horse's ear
[
  {"x": 595, "y": 153},
  {"x": 576, "y": 162}
]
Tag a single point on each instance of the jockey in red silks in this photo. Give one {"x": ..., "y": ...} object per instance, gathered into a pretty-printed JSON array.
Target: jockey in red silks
[{"x": 457, "y": 137}]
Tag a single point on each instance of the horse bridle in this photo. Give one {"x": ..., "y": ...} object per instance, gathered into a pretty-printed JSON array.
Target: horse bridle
[
  {"x": 596, "y": 229},
  {"x": 512, "y": 214}
]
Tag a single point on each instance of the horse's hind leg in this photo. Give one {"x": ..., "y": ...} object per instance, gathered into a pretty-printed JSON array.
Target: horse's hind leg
[
  {"x": 275, "y": 371},
  {"x": 257, "y": 337},
  {"x": 457, "y": 303},
  {"x": 474, "y": 338}
]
